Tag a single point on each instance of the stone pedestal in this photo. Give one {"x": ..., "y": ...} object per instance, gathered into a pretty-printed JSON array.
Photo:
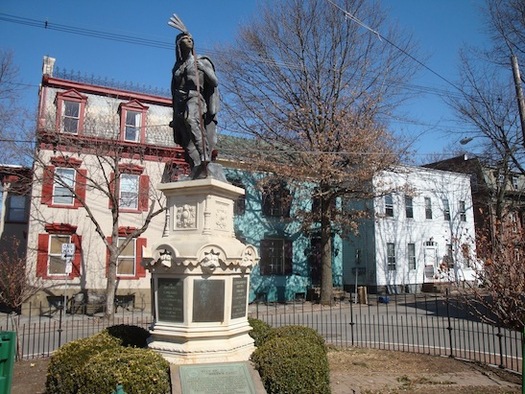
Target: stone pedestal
[{"x": 201, "y": 277}]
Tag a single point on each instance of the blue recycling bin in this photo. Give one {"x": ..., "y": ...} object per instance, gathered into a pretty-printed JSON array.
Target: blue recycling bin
[{"x": 7, "y": 360}]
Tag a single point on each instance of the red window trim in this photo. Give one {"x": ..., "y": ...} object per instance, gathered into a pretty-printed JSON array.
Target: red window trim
[
  {"x": 43, "y": 250},
  {"x": 75, "y": 96},
  {"x": 49, "y": 177},
  {"x": 140, "y": 243},
  {"x": 136, "y": 106}
]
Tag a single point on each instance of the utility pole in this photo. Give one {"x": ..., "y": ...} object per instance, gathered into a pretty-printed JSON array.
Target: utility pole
[
  {"x": 521, "y": 108},
  {"x": 519, "y": 93}
]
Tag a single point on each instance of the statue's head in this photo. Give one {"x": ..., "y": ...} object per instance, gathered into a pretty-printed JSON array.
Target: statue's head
[{"x": 183, "y": 41}]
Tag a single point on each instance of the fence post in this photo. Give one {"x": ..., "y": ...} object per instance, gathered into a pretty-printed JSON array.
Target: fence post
[
  {"x": 449, "y": 328},
  {"x": 500, "y": 335},
  {"x": 352, "y": 323}
]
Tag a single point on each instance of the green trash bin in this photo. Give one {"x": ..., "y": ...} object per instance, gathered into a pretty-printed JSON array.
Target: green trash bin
[{"x": 7, "y": 360}]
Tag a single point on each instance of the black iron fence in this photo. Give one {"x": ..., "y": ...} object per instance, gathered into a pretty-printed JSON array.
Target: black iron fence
[
  {"x": 44, "y": 328},
  {"x": 421, "y": 323}
]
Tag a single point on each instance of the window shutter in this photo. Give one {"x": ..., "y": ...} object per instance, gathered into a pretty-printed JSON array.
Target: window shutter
[
  {"x": 80, "y": 187},
  {"x": 77, "y": 258},
  {"x": 140, "y": 270},
  {"x": 288, "y": 257},
  {"x": 42, "y": 252},
  {"x": 47, "y": 185},
  {"x": 263, "y": 265},
  {"x": 143, "y": 193}
]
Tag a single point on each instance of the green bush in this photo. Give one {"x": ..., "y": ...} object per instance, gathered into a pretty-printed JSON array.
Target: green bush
[
  {"x": 292, "y": 365},
  {"x": 140, "y": 371},
  {"x": 130, "y": 335},
  {"x": 66, "y": 364},
  {"x": 298, "y": 332},
  {"x": 260, "y": 331}
]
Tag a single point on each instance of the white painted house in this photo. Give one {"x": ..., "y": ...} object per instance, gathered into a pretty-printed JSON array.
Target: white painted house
[{"x": 419, "y": 233}]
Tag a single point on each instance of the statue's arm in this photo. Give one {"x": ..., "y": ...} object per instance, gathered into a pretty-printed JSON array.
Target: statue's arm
[{"x": 207, "y": 68}]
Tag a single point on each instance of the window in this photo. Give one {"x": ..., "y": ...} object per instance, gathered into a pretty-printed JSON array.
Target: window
[
  {"x": 428, "y": 208},
  {"x": 50, "y": 264},
  {"x": 446, "y": 209},
  {"x": 276, "y": 200},
  {"x": 70, "y": 111},
  {"x": 63, "y": 186},
  {"x": 409, "y": 207},
  {"x": 462, "y": 211},
  {"x": 276, "y": 257},
  {"x": 133, "y": 185},
  {"x": 70, "y": 117},
  {"x": 391, "y": 256},
  {"x": 132, "y": 121},
  {"x": 389, "y": 205},
  {"x": 129, "y": 191},
  {"x": 133, "y": 125},
  {"x": 515, "y": 184},
  {"x": 411, "y": 248},
  {"x": 64, "y": 183},
  {"x": 16, "y": 208},
  {"x": 448, "y": 259},
  {"x": 129, "y": 261},
  {"x": 126, "y": 259}
]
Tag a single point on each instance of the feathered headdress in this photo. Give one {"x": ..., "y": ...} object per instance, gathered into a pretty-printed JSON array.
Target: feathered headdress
[{"x": 177, "y": 23}]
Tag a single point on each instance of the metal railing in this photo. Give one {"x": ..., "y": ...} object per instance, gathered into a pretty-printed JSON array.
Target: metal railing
[
  {"x": 45, "y": 327},
  {"x": 420, "y": 323}
]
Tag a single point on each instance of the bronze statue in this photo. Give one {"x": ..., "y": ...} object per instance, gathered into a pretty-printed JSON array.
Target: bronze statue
[{"x": 194, "y": 89}]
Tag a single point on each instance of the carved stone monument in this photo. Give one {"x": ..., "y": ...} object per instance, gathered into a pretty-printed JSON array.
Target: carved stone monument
[{"x": 201, "y": 276}]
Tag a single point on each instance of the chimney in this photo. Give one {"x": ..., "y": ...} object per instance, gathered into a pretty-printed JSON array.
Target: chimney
[{"x": 48, "y": 65}]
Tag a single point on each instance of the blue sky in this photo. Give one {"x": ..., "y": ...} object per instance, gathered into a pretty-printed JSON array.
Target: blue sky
[{"x": 440, "y": 27}]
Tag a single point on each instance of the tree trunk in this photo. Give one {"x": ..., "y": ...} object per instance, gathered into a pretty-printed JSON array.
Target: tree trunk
[
  {"x": 111, "y": 285},
  {"x": 326, "y": 252}
]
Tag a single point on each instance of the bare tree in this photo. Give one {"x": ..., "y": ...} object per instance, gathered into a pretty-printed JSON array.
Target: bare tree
[
  {"x": 308, "y": 82},
  {"x": 14, "y": 119}
]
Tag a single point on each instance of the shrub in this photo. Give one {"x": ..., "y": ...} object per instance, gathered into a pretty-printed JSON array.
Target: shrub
[
  {"x": 67, "y": 363},
  {"x": 260, "y": 331},
  {"x": 298, "y": 332},
  {"x": 130, "y": 335},
  {"x": 292, "y": 365},
  {"x": 140, "y": 371}
]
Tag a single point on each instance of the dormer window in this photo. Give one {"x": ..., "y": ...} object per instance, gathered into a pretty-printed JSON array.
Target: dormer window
[
  {"x": 133, "y": 121},
  {"x": 71, "y": 106}
]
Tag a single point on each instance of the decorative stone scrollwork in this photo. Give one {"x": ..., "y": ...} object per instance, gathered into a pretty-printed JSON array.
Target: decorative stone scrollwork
[{"x": 166, "y": 258}]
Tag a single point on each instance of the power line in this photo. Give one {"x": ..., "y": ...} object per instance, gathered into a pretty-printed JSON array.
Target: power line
[{"x": 381, "y": 37}]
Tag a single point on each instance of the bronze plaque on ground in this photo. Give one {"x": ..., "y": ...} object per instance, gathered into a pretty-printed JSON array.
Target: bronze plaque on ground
[
  {"x": 231, "y": 378},
  {"x": 170, "y": 300},
  {"x": 239, "y": 291},
  {"x": 208, "y": 300}
]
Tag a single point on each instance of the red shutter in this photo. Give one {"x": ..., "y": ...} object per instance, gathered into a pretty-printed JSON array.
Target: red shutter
[
  {"x": 80, "y": 187},
  {"x": 139, "y": 244},
  {"x": 77, "y": 258},
  {"x": 42, "y": 253},
  {"x": 143, "y": 192},
  {"x": 47, "y": 185}
]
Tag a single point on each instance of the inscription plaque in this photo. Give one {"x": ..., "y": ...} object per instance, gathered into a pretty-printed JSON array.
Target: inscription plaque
[
  {"x": 239, "y": 291},
  {"x": 170, "y": 300},
  {"x": 216, "y": 379},
  {"x": 208, "y": 300}
]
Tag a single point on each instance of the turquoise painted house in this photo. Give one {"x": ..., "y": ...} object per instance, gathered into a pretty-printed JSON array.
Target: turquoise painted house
[{"x": 267, "y": 217}]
